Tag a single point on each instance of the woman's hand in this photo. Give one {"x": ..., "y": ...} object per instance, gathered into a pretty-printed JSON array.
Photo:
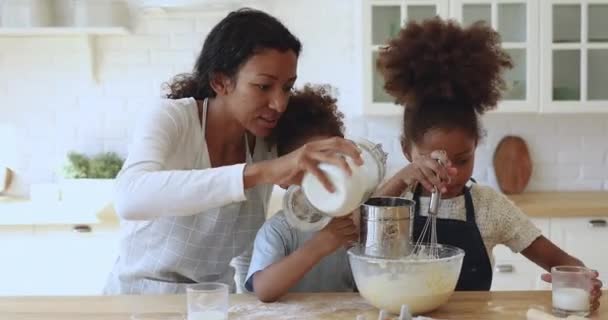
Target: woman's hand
[{"x": 290, "y": 168}]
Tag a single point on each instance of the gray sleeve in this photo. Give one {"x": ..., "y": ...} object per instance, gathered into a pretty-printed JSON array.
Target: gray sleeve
[{"x": 272, "y": 243}]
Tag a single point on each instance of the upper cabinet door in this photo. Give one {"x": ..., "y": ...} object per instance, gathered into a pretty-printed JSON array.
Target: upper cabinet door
[
  {"x": 574, "y": 55},
  {"x": 559, "y": 49},
  {"x": 517, "y": 23},
  {"x": 382, "y": 20}
]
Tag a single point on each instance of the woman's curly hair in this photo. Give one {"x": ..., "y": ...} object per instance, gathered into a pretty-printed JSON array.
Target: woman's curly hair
[
  {"x": 311, "y": 111},
  {"x": 228, "y": 46},
  {"x": 444, "y": 74}
]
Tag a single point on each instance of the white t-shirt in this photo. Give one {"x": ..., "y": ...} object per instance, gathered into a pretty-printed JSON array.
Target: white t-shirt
[
  {"x": 498, "y": 219},
  {"x": 185, "y": 221}
]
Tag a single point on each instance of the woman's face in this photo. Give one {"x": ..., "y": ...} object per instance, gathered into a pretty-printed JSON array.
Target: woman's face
[
  {"x": 460, "y": 149},
  {"x": 261, "y": 89}
]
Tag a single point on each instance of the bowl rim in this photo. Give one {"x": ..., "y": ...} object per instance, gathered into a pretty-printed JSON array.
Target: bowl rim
[{"x": 352, "y": 254}]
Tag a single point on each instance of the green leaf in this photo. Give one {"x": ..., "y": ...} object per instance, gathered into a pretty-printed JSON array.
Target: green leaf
[
  {"x": 105, "y": 166},
  {"x": 77, "y": 166}
]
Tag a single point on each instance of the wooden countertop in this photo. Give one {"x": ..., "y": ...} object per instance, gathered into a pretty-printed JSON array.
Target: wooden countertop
[
  {"x": 563, "y": 204},
  {"x": 19, "y": 211},
  {"x": 336, "y": 306}
]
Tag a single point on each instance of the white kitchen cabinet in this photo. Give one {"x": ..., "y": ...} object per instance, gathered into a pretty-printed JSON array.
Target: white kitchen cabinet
[
  {"x": 17, "y": 261},
  {"x": 382, "y": 20},
  {"x": 517, "y": 23},
  {"x": 56, "y": 259},
  {"x": 584, "y": 238},
  {"x": 516, "y": 275},
  {"x": 75, "y": 17},
  {"x": 513, "y": 271},
  {"x": 559, "y": 49},
  {"x": 574, "y": 55},
  {"x": 77, "y": 259}
]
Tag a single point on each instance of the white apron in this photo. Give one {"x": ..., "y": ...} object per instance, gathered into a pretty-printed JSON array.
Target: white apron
[{"x": 164, "y": 255}]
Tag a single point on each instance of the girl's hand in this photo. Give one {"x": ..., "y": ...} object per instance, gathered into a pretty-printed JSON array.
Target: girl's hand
[
  {"x": 596, "y": 289},
  {"x": 433, "y": 170}
]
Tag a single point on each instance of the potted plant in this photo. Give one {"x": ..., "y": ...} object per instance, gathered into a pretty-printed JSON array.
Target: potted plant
[{"x": 90, "y": 179}]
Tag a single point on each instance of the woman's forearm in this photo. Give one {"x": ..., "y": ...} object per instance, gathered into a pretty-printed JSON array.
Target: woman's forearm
[{"x": 145, "y": 191}]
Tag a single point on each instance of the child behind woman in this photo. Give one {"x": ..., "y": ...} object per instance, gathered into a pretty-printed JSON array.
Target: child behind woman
[{"x": 286, "y": 259}]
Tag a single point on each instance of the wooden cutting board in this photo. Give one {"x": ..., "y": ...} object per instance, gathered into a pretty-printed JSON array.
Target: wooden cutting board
[
  {"x": 6, "y": 176},
  {"x": 512, "y": 164}
]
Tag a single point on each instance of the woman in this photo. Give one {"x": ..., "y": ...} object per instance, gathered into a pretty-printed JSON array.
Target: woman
[{"x": 199, "y": 174}]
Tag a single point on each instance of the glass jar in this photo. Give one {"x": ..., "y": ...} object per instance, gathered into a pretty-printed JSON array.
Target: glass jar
[{"x": 311, "y": 207}]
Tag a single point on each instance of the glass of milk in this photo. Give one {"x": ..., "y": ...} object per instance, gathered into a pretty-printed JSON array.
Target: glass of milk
[
  {"x": 207, "y": 301},
  {"x": 571, "y": 290}
]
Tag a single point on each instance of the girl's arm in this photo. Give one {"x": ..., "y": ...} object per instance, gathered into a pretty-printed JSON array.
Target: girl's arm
[{"x": 547, "y": 255}]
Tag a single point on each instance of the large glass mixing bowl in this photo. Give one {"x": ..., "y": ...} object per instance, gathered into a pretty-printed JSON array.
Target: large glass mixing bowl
[{"x": 422, "y": 283}]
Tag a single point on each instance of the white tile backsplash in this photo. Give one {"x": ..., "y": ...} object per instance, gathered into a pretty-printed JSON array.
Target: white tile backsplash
[
  {"x": 53, "y": 104},
  {"x": 126, "y": 57},
  {"x": 207, "y": 22},
  {"x": 583, "y": 125},
  {"x": 594, "y": 172},
  {"x": 112, "y": 42},
  {"x": 148, "y": 42},
  {"x": 161, "y": 26}
]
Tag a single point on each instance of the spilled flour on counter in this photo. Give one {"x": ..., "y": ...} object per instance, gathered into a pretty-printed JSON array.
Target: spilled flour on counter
[{"x": 312, "y": 307}]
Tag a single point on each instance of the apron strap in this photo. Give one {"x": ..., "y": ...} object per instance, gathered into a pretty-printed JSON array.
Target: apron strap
[
  {"x": 468, "y": 201},
  {"x": 204, "y": 116},
  {"x": 468, "y": 204}
]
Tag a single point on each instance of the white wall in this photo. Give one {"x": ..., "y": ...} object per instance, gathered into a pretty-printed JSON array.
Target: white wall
[{"x": 50, "y": 104}]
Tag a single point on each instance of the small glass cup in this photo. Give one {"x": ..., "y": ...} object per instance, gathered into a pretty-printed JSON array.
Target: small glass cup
[
  {"x": 571, "y": 290},
  {"x": 207, "y": 301}
]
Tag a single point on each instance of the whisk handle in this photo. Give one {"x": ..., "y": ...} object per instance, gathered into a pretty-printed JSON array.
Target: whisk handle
[{"x": 434, "y": 203}]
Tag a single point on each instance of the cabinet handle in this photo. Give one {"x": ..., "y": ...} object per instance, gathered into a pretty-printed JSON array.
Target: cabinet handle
[
  {"x": 81, "y": 228},
  {"x": 504, "y": 268},
  {"x": 597, "y": 223}
]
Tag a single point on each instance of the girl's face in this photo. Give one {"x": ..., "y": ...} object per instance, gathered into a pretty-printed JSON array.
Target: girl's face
[
  {"x": 259, "y": 93},
  {"x": 460, "y": 148}
]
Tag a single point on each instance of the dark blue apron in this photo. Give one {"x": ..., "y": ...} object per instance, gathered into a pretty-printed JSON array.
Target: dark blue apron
[{"x": 476, "y": 274}]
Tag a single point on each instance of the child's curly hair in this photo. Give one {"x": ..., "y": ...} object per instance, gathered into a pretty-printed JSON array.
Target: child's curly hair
[
  {"x": 311, "y": 111},
  {"x": 444, "y": 74}
]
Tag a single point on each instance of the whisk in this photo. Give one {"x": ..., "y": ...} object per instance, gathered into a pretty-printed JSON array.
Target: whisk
[{"x": 426, "y": 244}]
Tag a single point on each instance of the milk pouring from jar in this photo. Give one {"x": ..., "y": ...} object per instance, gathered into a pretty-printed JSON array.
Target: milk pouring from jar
[{"x": 310, "y": 206}]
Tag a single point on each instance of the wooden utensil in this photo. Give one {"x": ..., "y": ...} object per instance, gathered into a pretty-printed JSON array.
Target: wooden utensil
[
  {"x": 512, "y": 164},
  {"x": 6, "y": 177}
]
